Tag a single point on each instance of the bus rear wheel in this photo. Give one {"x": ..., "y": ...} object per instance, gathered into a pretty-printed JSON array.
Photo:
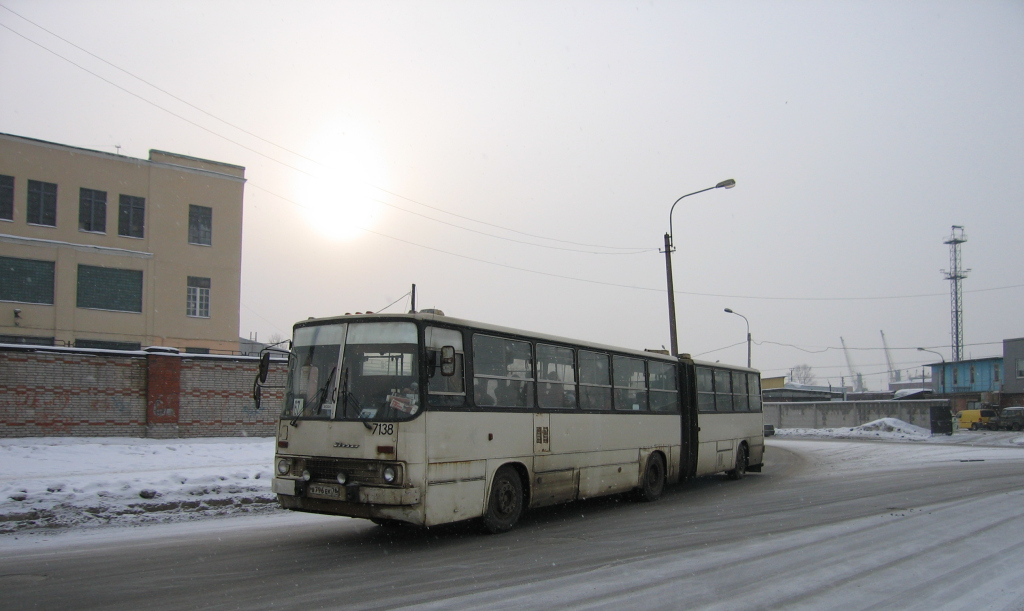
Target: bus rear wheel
[
  {"x": 653, "y": 483},
  {"x": 741, "y": 463},
  {"x": 505, "y": 504}
]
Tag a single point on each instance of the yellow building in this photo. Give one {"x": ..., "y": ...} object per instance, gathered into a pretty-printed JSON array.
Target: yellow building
[{"x": 99, "y": 250}]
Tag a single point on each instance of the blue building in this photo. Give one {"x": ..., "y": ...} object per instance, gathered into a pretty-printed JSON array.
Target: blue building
[{"x": 969, "y": 382}]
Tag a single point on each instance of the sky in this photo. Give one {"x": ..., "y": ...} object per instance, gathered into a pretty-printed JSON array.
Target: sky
[{"x": 517, "y": 161}]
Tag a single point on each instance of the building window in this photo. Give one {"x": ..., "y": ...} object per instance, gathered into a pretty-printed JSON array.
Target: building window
[
  {"x": 971, "y": 372},
  {"x": 196, "y": 350},
  {"x": 106, "y": 345},
  {"x": 92, "y": 210},
  {"x": 131, "y": 215},
  {"x": 109, "y": 288},
  {"x": 30, "y": 340},
  {"x": 995, "y": 372},
  {"x": 200, "y": 225},
  {"x": 6, "y": 197},
  {"x": 26, "y": 280},
  {"x": 42, "y": 203},
  {"x": 956, "y": 375},
  {"x": 198, "y": 300},
  {"x": 1020, "y": 368}
]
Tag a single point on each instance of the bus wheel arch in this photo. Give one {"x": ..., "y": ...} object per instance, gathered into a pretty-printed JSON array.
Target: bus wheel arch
[
  {"x": 742, "y": 462},
  {"x": 654, "y": 477},
  {"x": 506, "y": 499}
]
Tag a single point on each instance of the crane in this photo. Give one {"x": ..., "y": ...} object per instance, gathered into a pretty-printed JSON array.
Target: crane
[
  {"x": 894, "y": 374},
  {"x": 856, "y": 378}
]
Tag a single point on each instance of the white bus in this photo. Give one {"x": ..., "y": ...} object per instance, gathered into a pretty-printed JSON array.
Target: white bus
[{"x": 427, "y": 419}]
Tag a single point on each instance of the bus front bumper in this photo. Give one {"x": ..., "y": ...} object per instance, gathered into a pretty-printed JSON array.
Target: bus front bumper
[{"x": 351, "y": 493}]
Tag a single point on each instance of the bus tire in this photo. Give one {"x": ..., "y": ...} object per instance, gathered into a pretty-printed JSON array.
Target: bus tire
[
  {"x": 653, "y": 482},
  {"x": 741, "y": 463},
  {"x": 505, "y": 504}
]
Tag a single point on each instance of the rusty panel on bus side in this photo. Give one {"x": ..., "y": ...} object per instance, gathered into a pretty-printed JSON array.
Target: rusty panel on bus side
[{"x": 608, "y": 479}]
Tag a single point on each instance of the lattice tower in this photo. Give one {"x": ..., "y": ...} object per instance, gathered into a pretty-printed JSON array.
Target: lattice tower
[{"x": 955, "y": 275}]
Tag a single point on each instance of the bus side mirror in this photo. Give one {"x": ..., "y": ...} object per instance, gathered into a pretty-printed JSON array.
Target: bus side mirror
[
  {"x": 448, "y": 361},
  {"x": 257, "y": 395},
  {"x": 264, "y": 367}
]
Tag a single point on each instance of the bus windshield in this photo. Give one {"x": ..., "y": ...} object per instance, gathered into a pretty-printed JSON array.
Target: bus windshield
[{"x": 353, "y": 371}]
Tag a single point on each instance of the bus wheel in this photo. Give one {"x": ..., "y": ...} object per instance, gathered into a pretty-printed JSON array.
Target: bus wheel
[
  {"x": 653, "y": 483},
  {"x": 506, "y": 502},
  {"x": 741, "y": 463}
]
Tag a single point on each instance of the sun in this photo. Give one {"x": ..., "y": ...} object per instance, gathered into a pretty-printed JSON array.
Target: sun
[{"x": 339, "y": 191}]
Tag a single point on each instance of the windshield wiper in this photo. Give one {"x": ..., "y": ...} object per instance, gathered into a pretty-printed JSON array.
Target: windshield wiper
[{"x": 346, "y": 396}]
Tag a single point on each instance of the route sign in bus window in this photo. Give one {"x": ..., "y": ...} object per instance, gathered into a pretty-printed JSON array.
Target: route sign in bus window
[
  {"x": 630, "y": 383},
  {"x": 556, "y": 377},
  {"x": 595, "y": 381}
]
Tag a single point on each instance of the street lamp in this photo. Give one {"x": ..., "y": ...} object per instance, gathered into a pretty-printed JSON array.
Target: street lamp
[
  {"x": 725, "y": 184},
  {"x": 943, "y": 386},
  {"x": 748, "y": 333}
]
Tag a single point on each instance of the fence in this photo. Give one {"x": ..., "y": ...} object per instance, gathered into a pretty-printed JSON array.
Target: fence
[
  {"x": 110, "y": 393},
  {"x": 932, "y": 414}
]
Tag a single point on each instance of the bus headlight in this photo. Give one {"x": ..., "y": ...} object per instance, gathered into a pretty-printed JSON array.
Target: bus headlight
[
  {"x": 389, "y": 475},
  {"x": 306, "y": 475},
  {"x": 284, "y": 466},
  {"x": 342, "y": 478}
]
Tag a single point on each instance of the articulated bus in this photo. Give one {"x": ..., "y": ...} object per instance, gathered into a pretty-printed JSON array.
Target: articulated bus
[{"x": 427, "y": 419}]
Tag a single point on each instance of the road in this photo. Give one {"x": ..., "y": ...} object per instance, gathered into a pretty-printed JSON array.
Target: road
[{"x": 827, "y": 525}]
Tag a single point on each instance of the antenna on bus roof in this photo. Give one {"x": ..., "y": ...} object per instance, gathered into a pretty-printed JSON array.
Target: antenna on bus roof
[{"x": 412, "y": 300}]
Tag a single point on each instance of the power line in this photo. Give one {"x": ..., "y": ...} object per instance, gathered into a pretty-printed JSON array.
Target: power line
[
  {"x": 261, "y": 154},
  {"x": 619, "y": 285},
  {"x": 283, "y": 148}
]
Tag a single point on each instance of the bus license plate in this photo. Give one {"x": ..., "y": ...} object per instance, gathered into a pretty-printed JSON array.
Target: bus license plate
[{"x": 328, "y": 491}]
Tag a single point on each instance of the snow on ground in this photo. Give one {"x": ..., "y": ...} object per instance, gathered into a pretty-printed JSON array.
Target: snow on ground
[
  {"x": 63, "y": 482},
  {"x": 885, "y": 428},
  {"x": 71, "y": 481}
]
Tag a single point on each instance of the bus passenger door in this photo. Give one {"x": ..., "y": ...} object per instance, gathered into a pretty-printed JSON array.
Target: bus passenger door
[{"x": 541, "y": 434}]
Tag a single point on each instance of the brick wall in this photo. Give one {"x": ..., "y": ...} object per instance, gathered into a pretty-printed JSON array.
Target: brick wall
[{"x": 72, "y": 392}]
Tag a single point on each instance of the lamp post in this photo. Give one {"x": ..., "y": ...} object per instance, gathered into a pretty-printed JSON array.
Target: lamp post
[
  {"x": 943, "y": 388},
  {"x": 725, "y": 184},
  {"x": 748, "y": 333}
]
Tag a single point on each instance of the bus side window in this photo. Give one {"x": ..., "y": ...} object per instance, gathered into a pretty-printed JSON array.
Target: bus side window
[
  {"x": 445, "y": 391},
  {"x": 705, "y": 390},
  {"x": 739, "y": 391},
  {"x": 502, "y": 372},
  {"x": 556, "y": 377},
  {"x": 630, "y": 383},
  {"x": 755, "y": 391},
  {"x": 723, "y": 391},
  {"x": 664, "y": 394},
  {"x": 595, "y": 381}
]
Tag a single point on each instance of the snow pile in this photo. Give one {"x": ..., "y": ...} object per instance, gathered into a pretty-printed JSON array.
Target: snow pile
[
  {"x": 59, "y": 482},
  {"x": 884, "y": 428}
]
